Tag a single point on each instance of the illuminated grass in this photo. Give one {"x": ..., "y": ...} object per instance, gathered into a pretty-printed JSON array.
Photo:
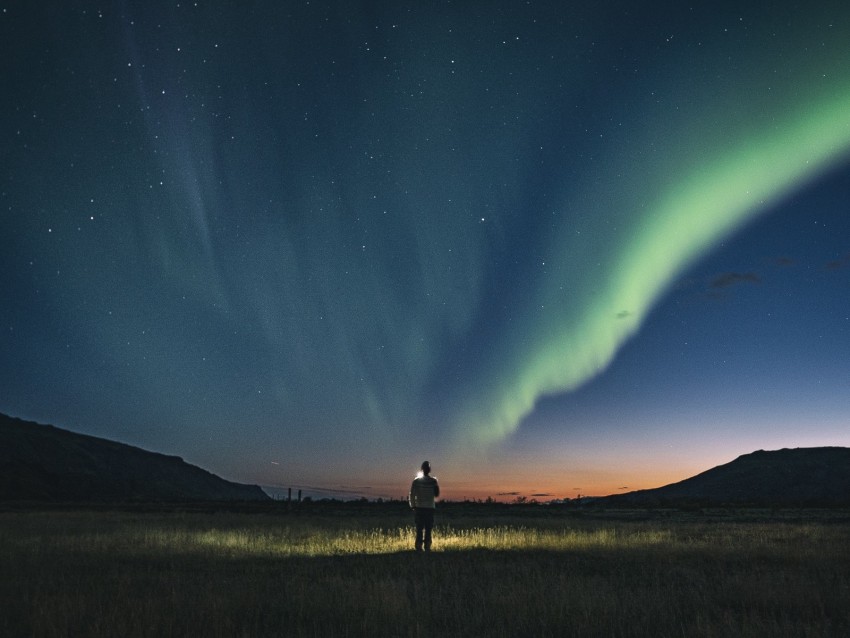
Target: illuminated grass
[
  {"x": 311, "y": 539},
  {"x": 318, "y": 542}
]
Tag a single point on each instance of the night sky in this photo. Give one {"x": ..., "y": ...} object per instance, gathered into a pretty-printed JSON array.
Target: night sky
[{"x": 556, "y": 248}]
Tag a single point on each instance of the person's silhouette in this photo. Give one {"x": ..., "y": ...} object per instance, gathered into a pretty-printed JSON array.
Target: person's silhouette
[{"x": 423, "y": 491}]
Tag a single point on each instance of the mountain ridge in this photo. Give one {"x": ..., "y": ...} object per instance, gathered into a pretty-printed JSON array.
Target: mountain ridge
[
  {"x": 41, "y": 462},
  {"x": 794, "y": 477}
]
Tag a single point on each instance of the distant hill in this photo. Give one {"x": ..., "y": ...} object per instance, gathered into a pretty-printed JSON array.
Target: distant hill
[
  {"x": 46, "y": 463},
  {"x": 782, "y": 478}
]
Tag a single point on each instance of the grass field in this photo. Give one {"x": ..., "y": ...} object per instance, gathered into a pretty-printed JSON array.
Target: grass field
[{"x": 494, "y": 572}]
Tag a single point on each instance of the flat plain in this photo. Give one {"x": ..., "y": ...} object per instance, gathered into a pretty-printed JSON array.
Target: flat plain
[{"x": 347, "y": 570}]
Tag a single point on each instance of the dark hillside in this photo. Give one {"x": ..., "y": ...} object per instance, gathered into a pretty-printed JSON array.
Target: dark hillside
[
  {"x": 45, "y": 463},
  {"x": 787, "y": 477}
]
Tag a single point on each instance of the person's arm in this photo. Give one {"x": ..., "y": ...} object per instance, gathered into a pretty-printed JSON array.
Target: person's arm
[
  {"x": 436, "y": 488},
  {"x": 410, "y": 497}
]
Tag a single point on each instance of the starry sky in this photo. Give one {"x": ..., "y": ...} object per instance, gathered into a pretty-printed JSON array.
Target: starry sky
[{"x": 556, "y": 248}]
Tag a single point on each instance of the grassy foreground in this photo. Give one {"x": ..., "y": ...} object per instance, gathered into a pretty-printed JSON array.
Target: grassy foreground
[{"x": 352, "y": 574}]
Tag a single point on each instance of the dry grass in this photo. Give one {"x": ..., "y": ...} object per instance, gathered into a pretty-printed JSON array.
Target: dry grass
[{"x": 172, "y": 574}]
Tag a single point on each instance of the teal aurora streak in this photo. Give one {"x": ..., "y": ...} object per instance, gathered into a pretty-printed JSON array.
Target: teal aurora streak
[
  {"x": 707, "y": 178},
  {"x": 582, "y": 336}
]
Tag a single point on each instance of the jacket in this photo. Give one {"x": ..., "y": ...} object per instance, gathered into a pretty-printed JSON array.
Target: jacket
[{"x": 423, "y": 491}]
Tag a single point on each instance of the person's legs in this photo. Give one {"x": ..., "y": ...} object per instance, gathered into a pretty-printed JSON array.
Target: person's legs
[
  {"x": 420, "y": 528},
  {"x": 428, "y": 524}
]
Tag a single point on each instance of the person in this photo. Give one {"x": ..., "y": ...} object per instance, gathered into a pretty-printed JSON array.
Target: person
[{"x": 423, "y": 491}]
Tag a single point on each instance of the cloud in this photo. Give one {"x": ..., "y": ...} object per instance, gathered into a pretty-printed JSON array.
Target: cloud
[
  {"x": 838, "y": 264},
  {"x": 731, "y": 278}
]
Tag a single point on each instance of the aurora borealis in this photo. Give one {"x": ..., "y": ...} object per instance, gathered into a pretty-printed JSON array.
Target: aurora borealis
[{"x": 296, "y": 242}]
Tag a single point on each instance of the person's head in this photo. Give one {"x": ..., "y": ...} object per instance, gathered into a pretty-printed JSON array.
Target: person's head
[{"x": 426, "y": 467}]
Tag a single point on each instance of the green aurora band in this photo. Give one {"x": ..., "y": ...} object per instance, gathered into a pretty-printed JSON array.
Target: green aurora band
[{"x": 573, "y": 335}]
